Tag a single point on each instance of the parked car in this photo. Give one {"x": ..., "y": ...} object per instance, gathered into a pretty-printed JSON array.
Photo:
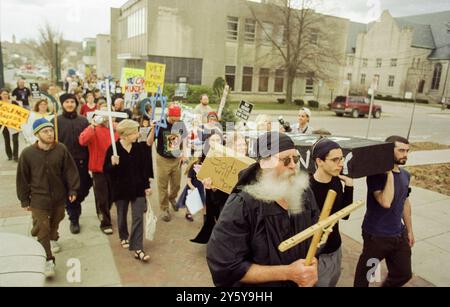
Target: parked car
[
  {"x": 354, "y": 106},
  {"x": 30, "y": 75}
]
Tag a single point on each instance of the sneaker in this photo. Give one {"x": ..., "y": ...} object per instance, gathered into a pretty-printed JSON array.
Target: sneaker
[
  {"x": 75, "y": 228},
  {"x": 165, "y": 216},
  {"x": 107, "y": 231},
  {"x": 55, "y": 247},
  {"x": 49, "y": 269}
]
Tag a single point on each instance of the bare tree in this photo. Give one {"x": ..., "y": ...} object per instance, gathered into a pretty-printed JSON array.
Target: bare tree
[
  {"x": 305, "y": 41},
  {"x": 45, "y": 46}
]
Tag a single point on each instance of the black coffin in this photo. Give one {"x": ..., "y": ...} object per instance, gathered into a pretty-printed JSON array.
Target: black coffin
[{"x": 362, "y": 157}]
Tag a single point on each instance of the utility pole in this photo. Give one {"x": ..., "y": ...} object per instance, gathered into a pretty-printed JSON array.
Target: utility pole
[
  {"x": 415, "y": 101},
  {"x": 2, "y": 76}
]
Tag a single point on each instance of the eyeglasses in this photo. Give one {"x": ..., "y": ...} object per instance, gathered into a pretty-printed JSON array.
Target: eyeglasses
[
  {"x": 336, "y": 160},
  {"x": 286, "y": 161}
]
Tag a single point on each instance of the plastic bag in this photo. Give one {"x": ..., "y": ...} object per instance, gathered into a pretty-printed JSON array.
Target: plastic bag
[{"x": 150, "y": 223}]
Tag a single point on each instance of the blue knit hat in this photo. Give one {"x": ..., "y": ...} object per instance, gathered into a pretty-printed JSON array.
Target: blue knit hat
[{"x": 40, "y": 124}]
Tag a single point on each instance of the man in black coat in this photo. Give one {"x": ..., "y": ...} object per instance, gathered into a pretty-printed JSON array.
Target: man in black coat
[
  {"x": 271, "y": 203},
  {"x": 70, "y": 126}
]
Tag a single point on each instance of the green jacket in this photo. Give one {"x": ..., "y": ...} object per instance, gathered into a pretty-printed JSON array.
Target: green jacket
[{"x": 45, "y": 179}]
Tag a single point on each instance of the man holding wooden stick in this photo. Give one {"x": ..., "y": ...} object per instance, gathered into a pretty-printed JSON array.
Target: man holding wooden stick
[{"x": 271, "y": 202}]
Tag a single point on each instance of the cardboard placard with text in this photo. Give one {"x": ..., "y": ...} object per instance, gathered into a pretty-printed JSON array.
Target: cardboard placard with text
[
  {"x": 155, "y": 74},
  {"x": 223, "y": 166},
  {"x": 12, "y": 116}
]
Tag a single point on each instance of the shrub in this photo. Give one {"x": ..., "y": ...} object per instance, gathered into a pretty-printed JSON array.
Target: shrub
[
  {"x": 313, "y": 104},
  {"x": 281, "y": 100},
  {"x": 219, "y": 86},
  {"x": 299, "y": 102},
  {"x": 196, "y": 91}
]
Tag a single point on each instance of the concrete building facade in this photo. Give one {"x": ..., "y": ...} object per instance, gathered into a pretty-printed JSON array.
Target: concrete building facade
[
  {"x": 206, "y": 39},
  {"x": 400, "y": 55}
]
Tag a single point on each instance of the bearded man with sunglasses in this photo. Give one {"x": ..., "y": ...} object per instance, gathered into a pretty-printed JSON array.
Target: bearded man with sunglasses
[
  {"x": 329, "y": 159},
  {"x": 271, "y": 203}
]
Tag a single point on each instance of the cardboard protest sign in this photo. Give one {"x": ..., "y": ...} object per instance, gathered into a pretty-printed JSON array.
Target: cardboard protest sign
[
  {"x": 244, "y": 111},
  {"x": 223, "y": 166},
  {"x": 363, "y": 157},
  {"x": 35, "y": 92},
  {"x": 13, "y": 116},
  {"x": 132, "y": 83},
  {"x": 155, "y": 74}
]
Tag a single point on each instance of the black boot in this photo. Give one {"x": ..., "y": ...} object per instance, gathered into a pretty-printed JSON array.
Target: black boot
[
  {"x": 205, "y": 233},
  {"x": 74, "y": 228}
]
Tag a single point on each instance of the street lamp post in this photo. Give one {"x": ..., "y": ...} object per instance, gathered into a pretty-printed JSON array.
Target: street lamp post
[
  {"x": 57, "y": 62},
  {"x": 2, "y": 76}
]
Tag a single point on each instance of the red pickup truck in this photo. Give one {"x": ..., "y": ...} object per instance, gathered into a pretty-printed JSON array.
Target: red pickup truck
[{"x": 354, "y": 106}]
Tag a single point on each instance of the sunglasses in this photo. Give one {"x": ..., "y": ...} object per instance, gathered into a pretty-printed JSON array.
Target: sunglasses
[{"x": 286, "y": 161}]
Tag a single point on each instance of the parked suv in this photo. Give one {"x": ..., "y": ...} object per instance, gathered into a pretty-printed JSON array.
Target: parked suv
[{"x": 354, "y": 106}]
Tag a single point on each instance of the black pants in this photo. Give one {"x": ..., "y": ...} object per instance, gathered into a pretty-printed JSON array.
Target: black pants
[
  {"x": 74, "y": 209},
  {"x": 138, "y": 209},
  {"x": 395, "y": 250},
  {"x": 15, "y": 138},
  {"x": 103, "y": 199}
]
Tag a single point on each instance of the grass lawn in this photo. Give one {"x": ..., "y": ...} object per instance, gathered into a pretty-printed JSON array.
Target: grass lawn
[{"x": 258, "y": 106}]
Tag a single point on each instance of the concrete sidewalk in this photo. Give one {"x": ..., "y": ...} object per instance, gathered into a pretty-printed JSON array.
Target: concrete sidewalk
[
  {"x": 177, "y": 262},
  {"x": 429, "y": 157}
]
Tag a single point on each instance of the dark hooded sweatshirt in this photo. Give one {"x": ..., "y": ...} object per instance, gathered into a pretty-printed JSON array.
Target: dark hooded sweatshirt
[{"x": 249, "y": 231}]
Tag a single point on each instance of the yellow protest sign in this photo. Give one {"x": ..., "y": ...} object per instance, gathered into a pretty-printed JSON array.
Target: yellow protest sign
[
  {"x": 223, "y": 166},
  {"x": 155, "y": 74},
  {"x": 132, "y": 80},
  {"x": 13, "y": 116}
]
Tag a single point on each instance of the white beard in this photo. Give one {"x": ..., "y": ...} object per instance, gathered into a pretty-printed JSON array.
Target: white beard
[{"x": 270, "y": 188}]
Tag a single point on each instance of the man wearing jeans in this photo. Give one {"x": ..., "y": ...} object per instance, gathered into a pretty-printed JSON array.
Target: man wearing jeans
[
  {"x": 169, "y": 159},
  {"x": 385, "y": 235}
]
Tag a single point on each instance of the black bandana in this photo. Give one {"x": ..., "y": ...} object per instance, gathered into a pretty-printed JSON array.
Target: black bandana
[{"x": 271, "y": 143}]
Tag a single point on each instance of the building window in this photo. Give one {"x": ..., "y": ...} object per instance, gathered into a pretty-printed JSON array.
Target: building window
[
  {"x": 448, "y": 27},
  {"x": 247, "y": 79},
  {"x": 267, "y": 33},
  {"x": 418, "y": 62},
  {"x": 436, "y": 76},
  {"x": 263, "y": 80},
  {"x": 377, "y": 78},
  {"x": 281, "y": 36},
  {"x": 309, "y": 88},
  {"x": 349, "y": 77},
  {"x": 230, "y": 76},
  {"x": 421, "y": 86},
  {"x": 365, "y": 62},
  {"x": 393, "y": 62},
  {"x": 250, "y": 30},
  {"x": 279, "y": 81},
  {"x": 232, "y": 28},
  {"x": 350, "y": 60},
  {"x": 391, "y": 81},
  {"x": 379, "y": 63},
  {"x": 136, "y": 23},
  {"x": 314, "y": 38},
  {"x": 363, "y": 79}
]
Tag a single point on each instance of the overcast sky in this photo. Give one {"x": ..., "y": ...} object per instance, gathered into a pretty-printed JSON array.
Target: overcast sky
[{"x": 78, "y": 19}]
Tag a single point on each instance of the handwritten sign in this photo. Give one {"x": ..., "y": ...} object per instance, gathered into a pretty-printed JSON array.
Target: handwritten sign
[
  {"x": 13, "y": 116},
  {"x": 223, "y": 166},
  {"x": 155, "y": 74},
  {"x": 133, "y": 83}
]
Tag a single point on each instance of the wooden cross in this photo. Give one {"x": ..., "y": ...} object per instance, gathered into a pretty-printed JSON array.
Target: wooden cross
[
  {"x": 322, "y": 229},
  {"x": 110, "y": 114}
]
